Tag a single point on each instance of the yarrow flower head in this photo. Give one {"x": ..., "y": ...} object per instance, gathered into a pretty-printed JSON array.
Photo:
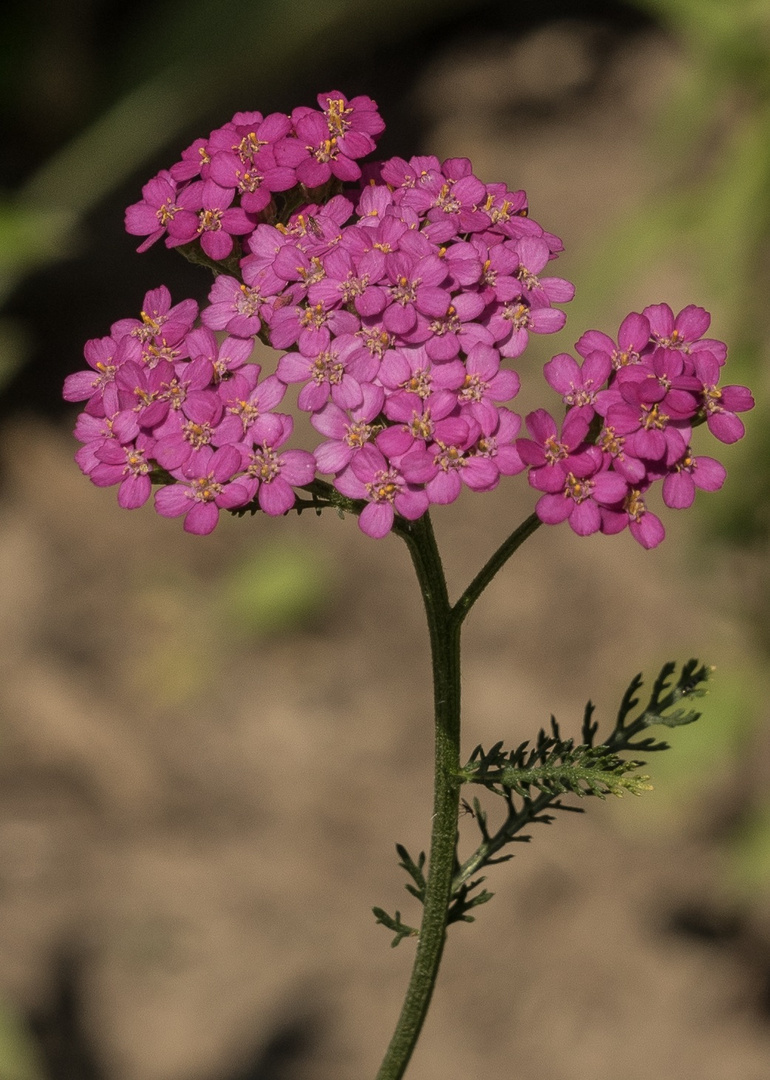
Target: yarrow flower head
[{"x": 400, "y": 294}]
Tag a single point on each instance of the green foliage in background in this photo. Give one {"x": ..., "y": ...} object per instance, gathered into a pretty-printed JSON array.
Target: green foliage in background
[
  {"x": 276, "y": 587},
  {"x": 711, "y": 220},
  {"x": 17, "y": 1054}
]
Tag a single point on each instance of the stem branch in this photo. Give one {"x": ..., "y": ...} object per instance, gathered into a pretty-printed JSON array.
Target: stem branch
[{"x": 495, "y": 563}]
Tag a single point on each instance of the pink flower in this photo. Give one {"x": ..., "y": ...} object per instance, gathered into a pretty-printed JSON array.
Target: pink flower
[
  {"x": 534, "y": 254},
  {"x": 485, "y": 384},
  {"x": 270, "y": 475},
  {"x": 387, "y": 492},
  {"x": 393, "y": 297},
  {"x": 677, "y": 332},
  {"x": 512, "y": 324},
  {"x": 325, "y": 154},
  {"x": 248, "y": 407},
  {"x": 633, "y": 340},
  {"x": 497, "y": 450},
  {"x": 578, "y": 385},
  {"x": 216, "y": 221},
  {"x": 160, "y": 321},
  {"x": 309, "y": 327},
  {"x": 195, "y": 162},
  {"x": 409, "y": 376},
  {"x": 254, "y": 179},
  {"x": 335, "y": 373},
  {"x": 413, "y": 290},
  {"x": 645, "y": 527},
  {"x": 353, "y": 123},
  {"x": 457, "y": 328},
  {"x": 234, "y": 307},
  {"x": 689, "y": 473},
  {"x": 128, "y": 466},
  {"x": 721, "y": 403},
  {"x": 161, "y": 203},
  {"x": 202, "y": 489},
  {"x": 105, "y": 356},
  {"x": 347, "y": 432},
  {"x": 550, "y": 458},
  {"x": 586, "y": 489}
]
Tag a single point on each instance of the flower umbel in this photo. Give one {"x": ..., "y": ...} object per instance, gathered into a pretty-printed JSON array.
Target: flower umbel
[{"x": 401, "y": 296}]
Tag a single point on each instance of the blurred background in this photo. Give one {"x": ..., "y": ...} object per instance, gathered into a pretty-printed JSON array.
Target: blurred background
[{"x": 208, "y": 747}]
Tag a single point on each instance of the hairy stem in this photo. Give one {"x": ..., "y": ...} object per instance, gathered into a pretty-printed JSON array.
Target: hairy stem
[
  {"x": 444, "y": 626},
  {"x": 445, "y": 655}
]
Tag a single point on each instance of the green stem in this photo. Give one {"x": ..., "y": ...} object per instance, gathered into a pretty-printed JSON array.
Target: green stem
[
  {"x": 445, "y": 655},
  {"x": 444, "y": 626},
  {"x": 485, "y": 852},
  {"x": 495, "y": 563}
]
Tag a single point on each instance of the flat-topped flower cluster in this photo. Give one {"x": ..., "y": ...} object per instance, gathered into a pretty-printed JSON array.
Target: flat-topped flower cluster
[{"x": 398, "y": 294}]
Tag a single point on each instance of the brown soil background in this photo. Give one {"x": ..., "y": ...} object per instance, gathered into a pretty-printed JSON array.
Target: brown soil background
[{"x": 197, "y": 813}]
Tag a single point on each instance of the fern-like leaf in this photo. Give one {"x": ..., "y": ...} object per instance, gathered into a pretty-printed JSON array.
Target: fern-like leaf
[{"x": 400, "y": 929}]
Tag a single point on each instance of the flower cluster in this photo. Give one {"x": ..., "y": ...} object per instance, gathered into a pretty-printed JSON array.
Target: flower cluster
[
  {"x": 398, "y": 295},
  {"x": 248, "y": 161},
  {"x": 631, "y": 409}
]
